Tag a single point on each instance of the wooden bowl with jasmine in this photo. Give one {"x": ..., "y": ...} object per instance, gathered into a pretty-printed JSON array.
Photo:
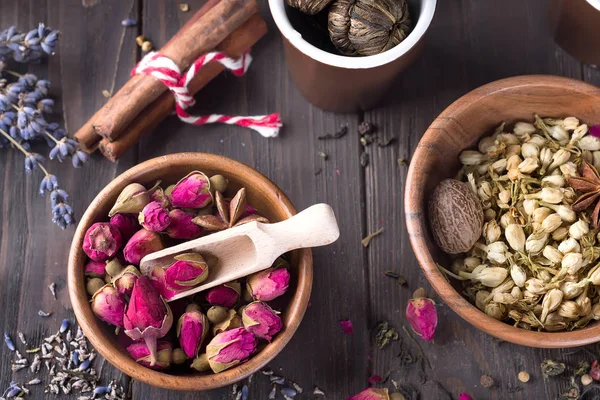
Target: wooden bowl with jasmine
[
  {"x": 460, "y": 127},
  {"x": 262, "y": 194}
]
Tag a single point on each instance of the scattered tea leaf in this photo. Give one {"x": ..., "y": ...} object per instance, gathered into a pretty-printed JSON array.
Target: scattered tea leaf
[
  {"x": 365, "y": 242},
  {"x": 552, "y": 368},
  {"x": 572, "y": 393},
  {"x": 417, "y": 344},
  {"x": 394, "y": 275},
  {"x": 386, "y": 143},
  {"x": 318, "y": 172},
  {"x": 402, "y": 161},
  {"x": 323, "y": 155},
  {"x": 364, "y": 159},
  {"x": 385, "y": 334},
  {"x": 342, "y": 132},
  {"x": 582, "y": 368},
  {"x": 366, "y": 140},
  {"x": 365, "y": 128}
]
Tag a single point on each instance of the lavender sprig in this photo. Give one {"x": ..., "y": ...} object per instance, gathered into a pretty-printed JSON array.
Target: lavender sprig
[{"x": 24, "y": 107}]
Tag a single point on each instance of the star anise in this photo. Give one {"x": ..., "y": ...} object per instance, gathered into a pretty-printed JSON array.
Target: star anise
[
  {"x": 230, "y": 213},
  {"x": 589, "y": 185}
]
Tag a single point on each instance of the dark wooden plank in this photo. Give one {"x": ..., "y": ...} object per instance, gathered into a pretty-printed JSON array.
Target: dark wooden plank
[
  {"x": 95, "y": 53},
  {"x": 470, "y": 43},
  {"x": 329, "y": 360}
]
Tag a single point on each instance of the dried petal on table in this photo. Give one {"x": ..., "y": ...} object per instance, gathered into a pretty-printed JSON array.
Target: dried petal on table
[
  {"x": 371, "y": 394},
  {"x": 347, "y": 327}
]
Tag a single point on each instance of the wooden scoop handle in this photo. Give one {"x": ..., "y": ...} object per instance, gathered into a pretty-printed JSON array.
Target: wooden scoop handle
[{"x": 316, "y": 226}]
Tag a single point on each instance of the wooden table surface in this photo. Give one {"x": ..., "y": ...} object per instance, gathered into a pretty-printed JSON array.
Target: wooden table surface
[{"x": 471, "y": 42}]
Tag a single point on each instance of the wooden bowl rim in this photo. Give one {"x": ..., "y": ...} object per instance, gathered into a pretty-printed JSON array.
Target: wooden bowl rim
[
  {"x": 415, "y": 214},
  {"x": 122, "y": 361}
]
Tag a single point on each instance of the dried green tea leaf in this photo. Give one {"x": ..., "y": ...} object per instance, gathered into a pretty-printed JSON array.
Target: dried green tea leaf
[
  {"x": 364, "y": 159},
  {"x": 318, "y": 172},
  {"x": 582, "y": 368},
  {"x": 385, "y": 334},
  {"x": 365, "y": 242},
  {"x": 342, "y": 132},
  {"x": 552, "y": 368},
  {"x": 386, "y": 143},
  {"x": 402, "y": 161},
  {"x": 391, "y": 274}
]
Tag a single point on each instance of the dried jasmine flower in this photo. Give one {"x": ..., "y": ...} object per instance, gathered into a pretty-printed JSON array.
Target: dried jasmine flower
[
  {"x": 385, "y": 334},
  {"x": 367, "y": 240},
  {"x": 184, "y": 7},
  {"x": 318, "y": 392},
  {"x": 106, "y": 94},
  {"x": 147, "y": 46},
  {"x": 552, "y": 368},
  {"x": 341, "y": 133},
  {"x": 323, "y": 155}
]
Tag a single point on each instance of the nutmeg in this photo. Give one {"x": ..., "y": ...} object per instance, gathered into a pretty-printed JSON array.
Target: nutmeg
[
  {"x": 368, "y": 27},
  {"x": 455, "y": 216}
]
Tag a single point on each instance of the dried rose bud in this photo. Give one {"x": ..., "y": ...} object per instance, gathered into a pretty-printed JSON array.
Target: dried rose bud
[
  {"x": 109, "y": 305},
  {"x": 179, "y": 357},
  {"x": 127, "y": 224},
  {"x": 132, "y": 199},
  {"x": 95, "y": 269},
  {"x": 464, "y": 396},
  {"x": 371, "y": 394},
  {"x": 159, "y": 195},
  {"x": 231, "y": 321},
  {"x": 142, "y": 354},
  {"x": 192, "y": 328},
  {"x": 154, "y": 217},
  {"x": 230, "y": 348},
  {"x": 268, "y": 284},
  {"x": 158, "y": 281},
  {"x": 261, "y": 320},
  {"x": 200, "y": 363},
  {"x": 114, "y": 267},
  {"x": 595, "y": 370},
  {"x": 93, "y": 285},
  {"x": 192, "y": 191},
  {"x": 142, "y": 243},
  {"x": 189, "y": 270},
  {"x": 102, "y": 241},
  {"x": 422, "y": 315},
  {"x": 148, "y": 316},
  {"x": 216, "y": 314},
  {"x": 125, "y": 282},
  {"x": 226, "y": 295},
  {"x": 181, "y": 226}
]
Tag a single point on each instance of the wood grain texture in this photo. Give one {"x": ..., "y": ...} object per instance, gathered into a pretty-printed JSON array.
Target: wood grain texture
[{"x": 471, "y": 43}]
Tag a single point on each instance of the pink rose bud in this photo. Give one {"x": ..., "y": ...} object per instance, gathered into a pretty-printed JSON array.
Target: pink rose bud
[
  {"x": 181, "y": 226},
  {"x": 595, "y": 131},
  {"x": 125, "y": 282},
  {"x": 268, "y": 284},
  {"x": 159, "y": 195},
  {"x": 127, "y": 224},
  {"x": 109, "y": 305},
  {"x": 230, "y": 348},
  {"x": 261, "y": 320},
  {"x": 142, "y": 243},
  {"x": 226, "y": 295},
  {"x": 595, "y": 371},
  {"x": 193, "y": 191},
  {"x": 148, "y": 316},
  {"x": 95, "y": 269},
  {"x": 192, "y": 328},
  {"x": 102, "y": 241},
  {"x": 142, "y": 355},
  {"x": 371, "y": 394},
  {"x": 422, "y": 315},
  {"x": 154, "y": 217},
  {"x": 189, "y": 270},
  {"x": 159, "y": 282},
  {"x": 464, "y": 396}
]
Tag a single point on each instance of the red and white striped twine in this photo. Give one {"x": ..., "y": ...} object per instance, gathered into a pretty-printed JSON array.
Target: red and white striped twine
[{"x": 165, "y": 70}]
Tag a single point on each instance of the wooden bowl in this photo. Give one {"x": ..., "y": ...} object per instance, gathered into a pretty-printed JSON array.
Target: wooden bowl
[
  {"x": 460, "y": 127},
  {"x": 262, "y": 193}
]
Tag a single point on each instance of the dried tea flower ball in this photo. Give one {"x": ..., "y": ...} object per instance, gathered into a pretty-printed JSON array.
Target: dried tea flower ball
[
  {"x": 524, "y": 376},
  {"x": 310, "y": 7},
  {"x": 368, "y": 27}
]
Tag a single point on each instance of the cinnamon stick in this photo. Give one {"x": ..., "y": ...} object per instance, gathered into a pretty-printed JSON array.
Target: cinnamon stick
[
  {"x": 141, "y": 90},
  {"x": 234, "y": 46},
  {"x": 86, "y": 135}
]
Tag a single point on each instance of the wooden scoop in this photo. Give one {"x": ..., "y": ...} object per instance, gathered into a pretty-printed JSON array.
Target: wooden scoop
[{"x": 237, "y": 252}]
